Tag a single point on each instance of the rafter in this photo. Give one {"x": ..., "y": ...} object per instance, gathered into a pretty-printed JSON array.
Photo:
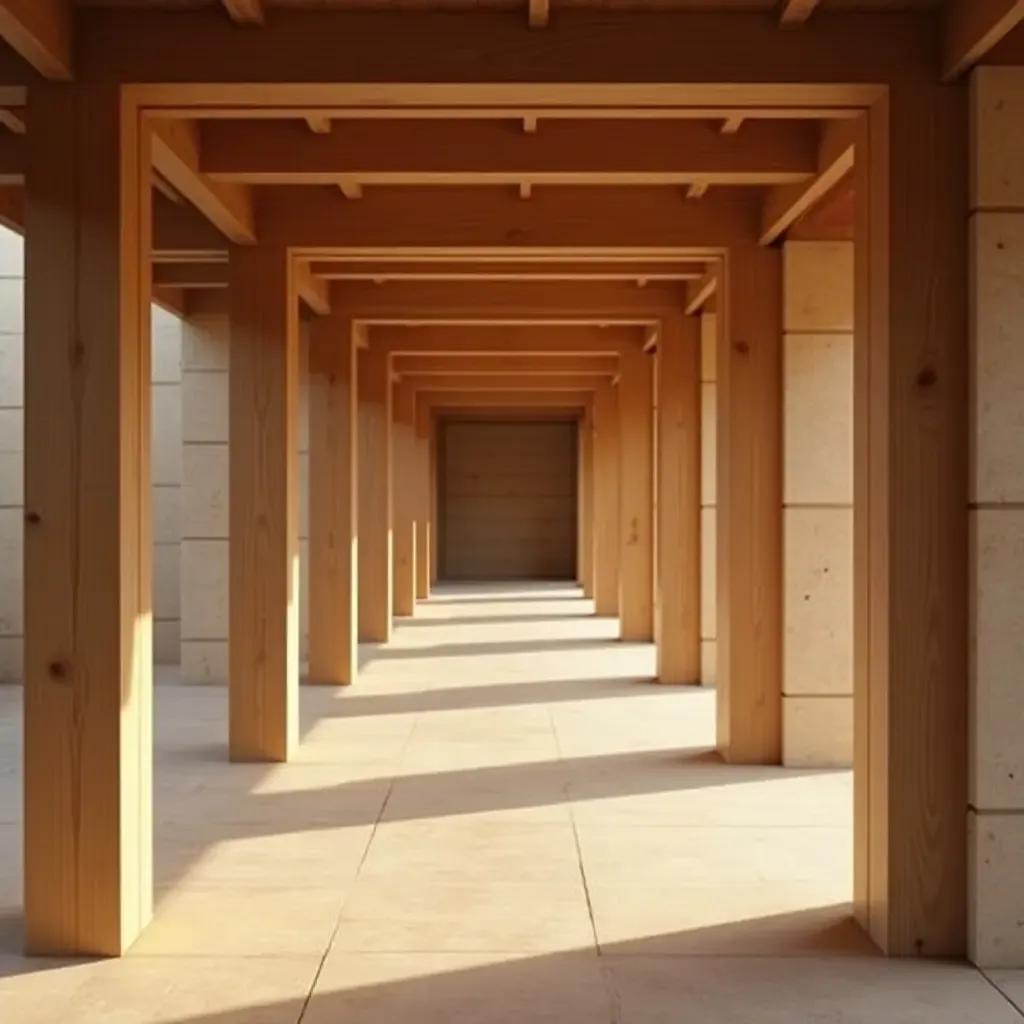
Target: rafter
[
  {"x": 785, "y": 205},
  {"x": 39, "y": 30},
  {"x": 493, "y": 153},
  {"x": 312, "y": 290},
  {"x": 973, "y": 28},
  {"x": 176, "y": 156},
  {"x": 319, "y": 125},
  {"x": 796, "y": 12},
  {"x": 539, "y": 13},
  {"x": 698, "y": 293},
  {"x": 245, "y": 12}
]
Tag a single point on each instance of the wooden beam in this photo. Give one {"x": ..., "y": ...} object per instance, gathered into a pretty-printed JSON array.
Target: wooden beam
[
  {"x": 699, "y": 292},
  {"x": 585, "y": 503},
  {"x": 351, "y": 190},
  {"x": 503, "y": 364},
  {"x": 506, "y": 399},
  {"x": 319, "y": 125},
  {"x": 731, "y": 125},
  {"x": 424, "y": 524},
  {"x": 606, "y": 501},
  {"x": 786, "y": 204},
  {"x": 509, "y": 269},
  {"x": 497, "y": 153},
  {"x": 41, "y": 32},
  {"x": 176, "y": 156},
  {"x": 698, "y": 190},
  {"x": 406, "y": 485},
  {"x": 973, "y": 28},
  {"x": 264, "y": 534},
  {"x": 312, "y": 290},
  {"x": 245, "y": 12},
  {"x": 13, "y": 120},
  {"x": 581, "y": 381},
  {"x": 327, "y": 55},
  {"x": 190, "y": 275},
  {"x": 796, "y": 12},
  {"x": 171, "y": 300},
  {"x": 494, "y": 342},
  {"x": 539, "y": 13},
  {"x": 182, "y": 234},
  {"x": 333, "y": 503}
]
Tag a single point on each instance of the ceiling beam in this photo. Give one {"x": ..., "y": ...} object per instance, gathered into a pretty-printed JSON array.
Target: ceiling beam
[
  {"x": 539, "y": 13},
  {"x": 176, "y": 156},
  {"x": 245, "y": 12},
  {"x": 499, "y": 153},
  {"x": 509, "y": 270},
  {"x": 494, "y": 341},
  {"x": 973, "y": 27},
  {"x": 786, "y": 204},
  {"x": 319, "y": 125},
  {"x": 325, "y": 53},
  {"x": 40, "y": 31},
  {"x": 182, "y": 234},
  {"x": 600, "y": 222},
  {"x": 313, "y": 291},
  {"x": 796, "y": 12},
  {"x": 507, "y": 382},
  {"x": 449, "y": 365},
  {"x": 698, "y": 293},
  {"x": 506, "y": 399}
]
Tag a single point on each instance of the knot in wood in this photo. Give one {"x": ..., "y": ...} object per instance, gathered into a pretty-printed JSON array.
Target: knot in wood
[
  {"x": 927, "y": 378},
  {"x": 742, "y": 347},
  {"x": 59, "y": 670}
]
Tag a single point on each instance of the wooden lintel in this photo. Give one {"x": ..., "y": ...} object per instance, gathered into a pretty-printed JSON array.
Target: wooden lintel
[
  {"x": 40, "y": 31},
  {"x": 506, "y": 382},
  {"x": 313, "y": 291},
  {"x": 973, "y": 28},
  {"x": 245, "y": 12},
  {"x": 786, "y": 204},
  {"x": 502, "y": 399},
  {"x": 504, "y": 341},
  {"x": 494, "y": 153},
  {"x": 796, "y": 12},
  {"x": 539, "y": 13},
  {"x": 496, "y": 363},
  {"x": 508, "y": 270},
  {"x": 176, "y": 156},
  {"x": 699, "y": 292}
]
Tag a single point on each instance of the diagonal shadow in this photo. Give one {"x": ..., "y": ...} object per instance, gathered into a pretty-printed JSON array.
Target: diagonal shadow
[
  {"x": 496, "y": 620},
  {"x": 482, "y": 648}
]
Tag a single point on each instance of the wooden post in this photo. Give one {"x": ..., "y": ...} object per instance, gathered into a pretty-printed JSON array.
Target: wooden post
[
  {"x": 263, "y": 539},
  {"x": 910, "y": 522},
  {"x": 435, "y": 502},
  {"x": 333, "y": 496},
  {"x": 606, "y": 501},
  {"x": 636, "y": 495},
  {"x": 679, "y": 472},
  {"x": 405, "y": 485},
  {"x": 585, "y": 499},
  {"x": 750, "y": 508},
  {"x": 88, "y": 604},
  {"x": 375, "y": 495},
  {"x": 424, "y": 537}
]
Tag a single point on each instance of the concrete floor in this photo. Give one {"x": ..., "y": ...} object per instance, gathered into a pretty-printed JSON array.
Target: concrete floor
[{"x": 503, "y": 822}]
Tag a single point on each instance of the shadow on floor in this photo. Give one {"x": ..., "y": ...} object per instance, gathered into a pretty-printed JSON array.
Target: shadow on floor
[{"x": 369, "y": 653}]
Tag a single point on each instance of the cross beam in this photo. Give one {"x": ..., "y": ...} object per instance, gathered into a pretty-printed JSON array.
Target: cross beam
[
  {"x": 502, "y": 341},
  {"x": 40, "y": 31}
]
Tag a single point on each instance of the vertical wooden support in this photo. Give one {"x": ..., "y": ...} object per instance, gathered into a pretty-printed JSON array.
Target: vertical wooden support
[
  {"x": 263, "y": 544},
  {"x": 750, "y": 508},
  {"x": 375, "y": 495},
  {"x": 405, "y": 485},
  {"x": 333, "y": 495},
  {"x": 679, "y": 476},
  {"x": 435, "y": 517},
  {"x": 585, "y": 499},
  {"x": 636, "y": 497},
  {"x": 88, "y": 605},
  {"x": 606, "y": 501},
  {"x": 424, "y": 536},
  {"x": 910, "y": 534}
]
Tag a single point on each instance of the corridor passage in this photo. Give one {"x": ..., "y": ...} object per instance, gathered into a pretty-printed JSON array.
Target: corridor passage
[{"x": 506, "y": 821}]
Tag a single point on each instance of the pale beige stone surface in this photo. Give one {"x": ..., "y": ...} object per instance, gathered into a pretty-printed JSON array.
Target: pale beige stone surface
[
  {"x": 204, "y": 585},
  {"x": 504, "y": 821},
  {"x": 818, "y": 286},
  {"x": 709, "y": 347},
  {"x": 817, "y": 732},
  {"x": 997, "y": 110},
  {"x": 996, "y": 900},
  {"x": 708, "y": 573}
]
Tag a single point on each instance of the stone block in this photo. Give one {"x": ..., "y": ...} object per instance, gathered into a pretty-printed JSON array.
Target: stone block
[
  {"x": 12, "y": 659},
  {"x": 12, "y": 529},
  {"x": 204, "y": 661},
  {"x": 709, "y": 347},
  {"x": 997, "y": 332},
  {"x": 12, "y": 430},
  {"x": 818, "y": 419},
  {"x": 996, "y": 657},
  {"x": 12, "y": 371},
  {"x": 12, "y": 479},
  {"x": 709, "y": 573},
  {"x": 12, "y": 305},
  {"x": 817, "y": 732},
  {"x": 205, "y": 491},
  {"x": 167, "y": 642},
  {"x": 817, "y": 601},
  {"x": 995, "y": 904},
  {"x": 204, "y": 590},
  {"x": 204, "y": 401},
  {"x": 167, "y": 344},
  {"x": 997, "y": 157},
  {"x": 166, "y": 436},
  {"x": 205, "y": 343},
  {"x": 818, "y": 286},
  {"x": 708, "y": 444},
  {"x": 166, "y": 513},
  {"x": 12, "y": 253},
  {"x": 166, "y": 581}
]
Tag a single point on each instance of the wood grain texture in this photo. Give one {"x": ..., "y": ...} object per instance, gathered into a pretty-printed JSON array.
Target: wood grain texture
[
  {"x": 333, "y": 501},
  {"x": 40, "y": 31},
  {"x": 375, "y": 495},
  {"x": 679, "y": 504},
  {"x": 585, "y": 503},
  {"x": 424, "y": 486},
  {"x": 88, "y": 580},
  {"x": 636, "y": 497},
  {"x": 405, "y": 484},
  {"x": 911, "y": 411},
  {"x": 606, "y": 501},
  {"x": 509, "y": 500},
  {"x": 264, "y": 535},
  {"x": 749, "y": 499}
]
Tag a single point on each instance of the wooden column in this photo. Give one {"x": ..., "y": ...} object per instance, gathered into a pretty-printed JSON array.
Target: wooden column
[
  {"x": 263, "y": 539},
  {"x": 750, "y": 508},
  {"x": 910, "y": 522},
  {"x": 333, "y": 496},
  {"x": 375, "y": 491},
  {"x": 435, "y": 515},
  {"x": 636, "y": 496},
  {"x": 679, "y": 476},
  {"x": 606, "y": 501},
  {"x": 405, "y": 484},
  {"x": 424, "y": 537},
  {"x": 88, "y": 581},
  {"x": 585, "y": 500}
]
